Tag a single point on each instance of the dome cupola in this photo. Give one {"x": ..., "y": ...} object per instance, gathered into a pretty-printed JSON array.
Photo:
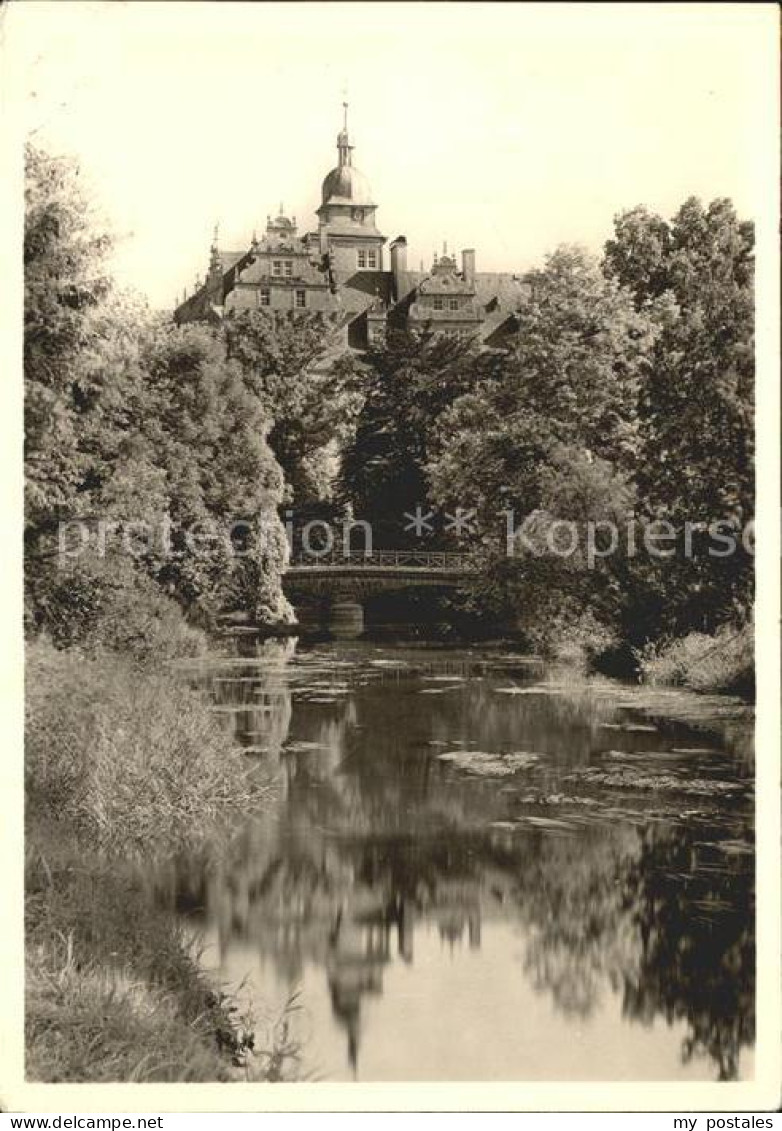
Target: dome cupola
[{"x": 345, "y": 184}]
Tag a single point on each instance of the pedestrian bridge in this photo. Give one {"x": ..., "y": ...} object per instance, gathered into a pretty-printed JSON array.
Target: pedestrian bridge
[
  {"x": 338, "y": 582},
  {"x": 413, "y": 567}
]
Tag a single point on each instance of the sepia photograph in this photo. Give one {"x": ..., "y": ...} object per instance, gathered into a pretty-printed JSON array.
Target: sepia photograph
[{"x": 394, "y": 628}]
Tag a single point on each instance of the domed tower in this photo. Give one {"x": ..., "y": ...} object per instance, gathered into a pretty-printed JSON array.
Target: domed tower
[{"x": 347, "y": 213}]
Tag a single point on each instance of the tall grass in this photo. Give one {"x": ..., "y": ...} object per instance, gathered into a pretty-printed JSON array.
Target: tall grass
[
  {"x": 115, "y": 991},
  {"x": 126, "y": 759},
  {"x": 722, "y": 662},
  {"x": 122, "y": 764}
]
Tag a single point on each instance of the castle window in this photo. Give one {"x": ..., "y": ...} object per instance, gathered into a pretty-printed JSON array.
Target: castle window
[
  {"x": 453, "y": 304},
  {"x": 437, "y": 303},
  {"x": 288, "y": 268},
  {"x": 264, "y": 297},
  {"x": 371, "y": 259},
  {"x": 362, "y": 259},
  {"x": 277, "y": 267},
  {"x": 301, "y": 299}
]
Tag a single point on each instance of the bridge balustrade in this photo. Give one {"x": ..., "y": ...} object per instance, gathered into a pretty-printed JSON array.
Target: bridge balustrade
[{"x": 449, "y": 560}]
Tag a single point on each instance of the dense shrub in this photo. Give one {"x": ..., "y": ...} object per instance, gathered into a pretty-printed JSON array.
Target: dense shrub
[
  {"x": 99, "y": 604},
  {"x": 564, "y": 632},
  {"x": 723, "y": 662}
]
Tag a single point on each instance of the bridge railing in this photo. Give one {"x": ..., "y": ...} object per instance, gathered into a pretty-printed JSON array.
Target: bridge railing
[{"x": 449, "y": 560}]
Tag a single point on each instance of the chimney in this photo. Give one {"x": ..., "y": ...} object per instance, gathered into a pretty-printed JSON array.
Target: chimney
[
  {"x": 399, "y": 264},
  {"x": 468, "y": 264}
]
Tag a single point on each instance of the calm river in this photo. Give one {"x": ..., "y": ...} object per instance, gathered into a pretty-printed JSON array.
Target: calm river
[{"x": 479, "y": 868}]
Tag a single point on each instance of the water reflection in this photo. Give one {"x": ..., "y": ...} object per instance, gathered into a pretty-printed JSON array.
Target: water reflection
[{"x": 588, "y": 916}]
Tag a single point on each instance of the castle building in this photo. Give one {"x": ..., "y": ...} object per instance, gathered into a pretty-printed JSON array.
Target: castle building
[{"x": 343, "y": 269}]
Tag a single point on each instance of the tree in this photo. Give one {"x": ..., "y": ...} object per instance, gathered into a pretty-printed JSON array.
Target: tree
[
  {"x": 411, "y": 381},
  {"x": 551, "y": 431},
  {"x": 697, "y": 403},
  {"x": 696, "y": 457},
  {"x": 65, "y": 282},
  {"x": 130, "y": 421},
  {"x": 208, "y": 433},
  {"x": 307, "y": 385},
  {"x": 570, "y": 381}
]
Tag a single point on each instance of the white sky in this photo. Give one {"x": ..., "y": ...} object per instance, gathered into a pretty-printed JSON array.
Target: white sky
[{"x": 509, "y": 128}]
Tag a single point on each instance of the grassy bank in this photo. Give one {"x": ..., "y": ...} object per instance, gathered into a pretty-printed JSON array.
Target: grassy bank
[
  {"x": 121, "y": 764},
  {"x": 722, "y": 662}
]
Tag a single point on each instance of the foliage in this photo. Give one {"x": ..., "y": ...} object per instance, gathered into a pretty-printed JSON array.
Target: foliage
[
  {"x": 121, "y": 763},
  {"x": 65, "y": 280},
  {"x": 569, "y": 382},
  {"x": 723, "y": 662},
  {"x": 209, "y": 435},
  {"x": 550, "y": 434},
  {"x": 90, "y": 1022},
  {"x": 411, "y": 380},
  {"x": 137, "y": 424},
  {"x": 143, "y": 443},
  {"x": 694, "y": 278},
  {"x": 306, "y": 386},
  {"x": 98, "y": 604},
  {"x": 627, "y": 398}
]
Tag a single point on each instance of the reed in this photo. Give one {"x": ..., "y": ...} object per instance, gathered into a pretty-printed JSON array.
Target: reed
[{"x": 122, "y": 764}]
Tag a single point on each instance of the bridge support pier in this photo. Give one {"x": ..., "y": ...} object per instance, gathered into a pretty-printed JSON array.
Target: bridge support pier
[{"x": 346, "y": 620}]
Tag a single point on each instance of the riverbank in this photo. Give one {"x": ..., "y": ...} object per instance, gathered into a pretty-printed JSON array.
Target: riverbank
[
  {"x": 723, "y": 662},
  {"x": 122, "y": 764}
]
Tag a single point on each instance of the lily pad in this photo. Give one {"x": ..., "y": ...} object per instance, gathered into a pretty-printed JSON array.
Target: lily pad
[
  {"x": 626, "y": 778},
  {"x": 487, "y": 764},
  {"x": 529, "y": 690}
]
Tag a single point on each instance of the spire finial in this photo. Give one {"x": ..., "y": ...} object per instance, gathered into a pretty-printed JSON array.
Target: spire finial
[
  {"x": 343, "y": 139},
  {"x": 214, "y": 254}
]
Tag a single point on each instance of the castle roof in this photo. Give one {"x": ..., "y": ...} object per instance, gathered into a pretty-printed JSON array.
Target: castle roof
[
  {"x": 346, "y": 185},
  {"x": 229, "y": 258}
]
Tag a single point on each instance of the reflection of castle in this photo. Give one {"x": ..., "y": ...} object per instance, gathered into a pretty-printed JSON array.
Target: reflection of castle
[
  {"x": 452, "y": 923},
  {"x": 358, "y": 952},
  {"x": 294, "y": 907},
  {"x": 376, "y": 852}
]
